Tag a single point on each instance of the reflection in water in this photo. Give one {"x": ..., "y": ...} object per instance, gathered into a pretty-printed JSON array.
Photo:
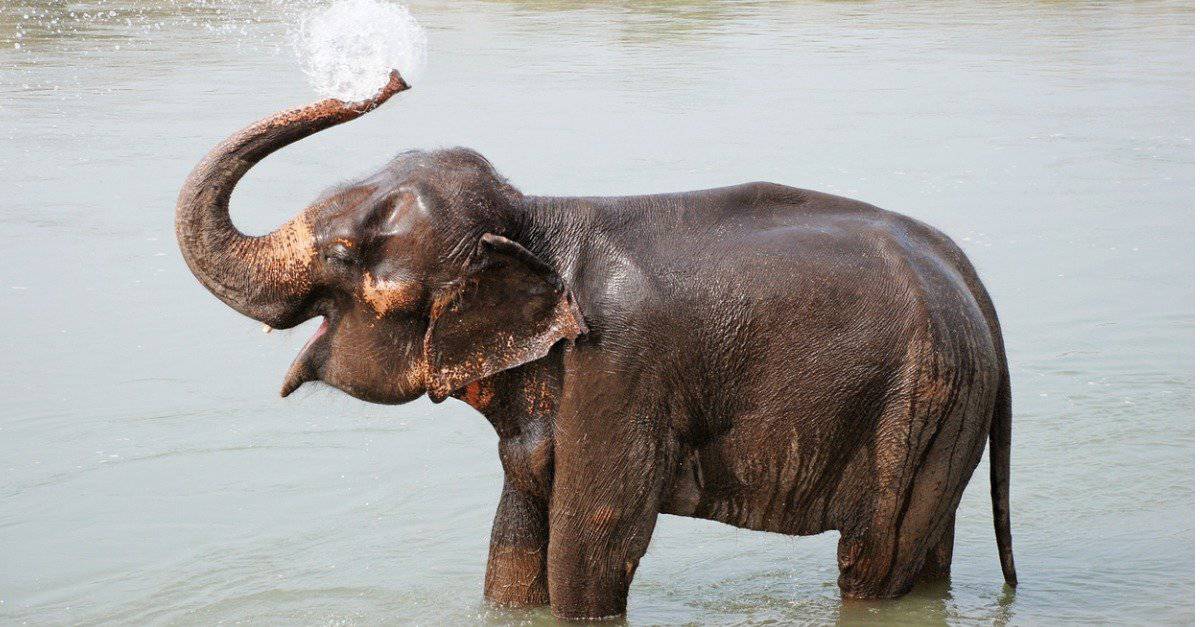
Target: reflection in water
[{"x": 150, "y": 473}]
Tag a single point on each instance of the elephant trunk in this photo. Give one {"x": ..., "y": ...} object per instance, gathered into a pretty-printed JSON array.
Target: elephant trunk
[{"x": 270, "y": 277}]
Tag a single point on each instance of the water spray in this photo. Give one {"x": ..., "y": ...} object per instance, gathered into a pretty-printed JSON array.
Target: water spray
[{"x": 347, "y": 49}]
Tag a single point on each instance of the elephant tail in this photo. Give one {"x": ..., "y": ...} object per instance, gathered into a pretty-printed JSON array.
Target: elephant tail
[{"x": 999, "y": 445}]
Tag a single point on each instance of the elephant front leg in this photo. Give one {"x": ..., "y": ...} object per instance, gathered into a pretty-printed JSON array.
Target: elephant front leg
[
  {"x": 602, "y": 514},
  {"x": 516, "y": 569},
  {"x": 594, "y": 553},
  {"x": 612, "y": 452}
]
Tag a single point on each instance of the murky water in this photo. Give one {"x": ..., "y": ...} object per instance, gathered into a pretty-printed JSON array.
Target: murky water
[{"x": 149, "y": 472}]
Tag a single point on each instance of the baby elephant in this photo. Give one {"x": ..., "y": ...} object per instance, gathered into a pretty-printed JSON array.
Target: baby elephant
[{"x": 759, "y": 355}]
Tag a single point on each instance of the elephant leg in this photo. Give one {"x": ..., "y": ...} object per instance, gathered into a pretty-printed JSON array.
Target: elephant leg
[
  {"x": 937, "y": 559},
  {"x": 864, "y": 559},
  {"x": 516, "y": 569},
  {"x": 596, "y": 544},
  {"x": 883, "y": 562},
  {"x": 923, "y": 481},
  {"x": 603, "y": 509},
  {"x": 612, "y": 461}
]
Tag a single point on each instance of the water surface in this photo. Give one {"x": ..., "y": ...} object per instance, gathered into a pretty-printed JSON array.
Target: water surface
[{"x": 149, "y": 472}]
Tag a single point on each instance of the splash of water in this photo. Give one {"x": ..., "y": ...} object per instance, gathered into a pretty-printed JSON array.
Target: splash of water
[{"x": 348, "y": 48}]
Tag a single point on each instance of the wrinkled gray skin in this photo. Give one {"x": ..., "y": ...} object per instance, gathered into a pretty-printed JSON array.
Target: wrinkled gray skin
[{"x": 764, "y": 356}]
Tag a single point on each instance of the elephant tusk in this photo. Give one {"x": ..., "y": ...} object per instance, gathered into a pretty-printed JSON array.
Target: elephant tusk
[{"x": 266, "y": 328}]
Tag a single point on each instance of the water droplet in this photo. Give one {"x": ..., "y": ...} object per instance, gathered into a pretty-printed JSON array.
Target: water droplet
[{"x": 348, "y": 48}]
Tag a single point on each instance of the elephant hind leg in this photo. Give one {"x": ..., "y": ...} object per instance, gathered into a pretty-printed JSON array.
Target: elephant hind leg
[
  {"x": 925, "y": 453},
  {"x": 937, "y": 559},
  {"x": 886, "y": 559},
  {"x": 876, "y": 565}
]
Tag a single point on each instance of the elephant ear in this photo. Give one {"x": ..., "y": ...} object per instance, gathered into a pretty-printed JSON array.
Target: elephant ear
[{"x": 509, "y": 309}]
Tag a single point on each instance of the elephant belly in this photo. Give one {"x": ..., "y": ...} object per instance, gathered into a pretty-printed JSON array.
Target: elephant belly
[{"x": 790, "y": 489}]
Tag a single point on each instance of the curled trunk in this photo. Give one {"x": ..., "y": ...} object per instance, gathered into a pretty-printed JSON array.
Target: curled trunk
[{"x": 270, "y": 277}]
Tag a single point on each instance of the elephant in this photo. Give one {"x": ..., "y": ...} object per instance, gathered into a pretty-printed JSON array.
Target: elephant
[{"x": 768, "y": 357}]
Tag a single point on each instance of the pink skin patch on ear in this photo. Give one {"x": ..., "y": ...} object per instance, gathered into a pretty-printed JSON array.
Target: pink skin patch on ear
[{"x": 389, "y": 295}]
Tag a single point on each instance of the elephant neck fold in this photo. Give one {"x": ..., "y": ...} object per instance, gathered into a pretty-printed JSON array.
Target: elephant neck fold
[{"x": 556, "y": 230}]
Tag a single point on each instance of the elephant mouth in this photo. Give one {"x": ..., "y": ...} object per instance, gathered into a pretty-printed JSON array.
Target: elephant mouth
[{"x": 306, "y": 367}]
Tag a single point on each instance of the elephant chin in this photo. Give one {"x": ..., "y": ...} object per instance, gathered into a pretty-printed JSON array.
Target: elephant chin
[
  {"x": 312, "y": 365},
  {"x": 306, "y": 366}
]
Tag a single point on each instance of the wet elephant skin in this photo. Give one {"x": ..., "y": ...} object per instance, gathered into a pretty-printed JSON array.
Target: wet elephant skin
[{"x": 760, "y": 355}]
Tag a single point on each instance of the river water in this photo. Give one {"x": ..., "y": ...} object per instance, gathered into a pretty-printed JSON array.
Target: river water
[{"x": 149, "y": 471}]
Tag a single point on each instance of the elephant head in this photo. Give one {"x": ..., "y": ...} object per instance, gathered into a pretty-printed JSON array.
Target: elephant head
[{"x": 419, "y": 287}]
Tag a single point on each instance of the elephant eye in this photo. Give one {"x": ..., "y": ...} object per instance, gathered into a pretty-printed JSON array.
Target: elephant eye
[{"x": 340, "y": 254}]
